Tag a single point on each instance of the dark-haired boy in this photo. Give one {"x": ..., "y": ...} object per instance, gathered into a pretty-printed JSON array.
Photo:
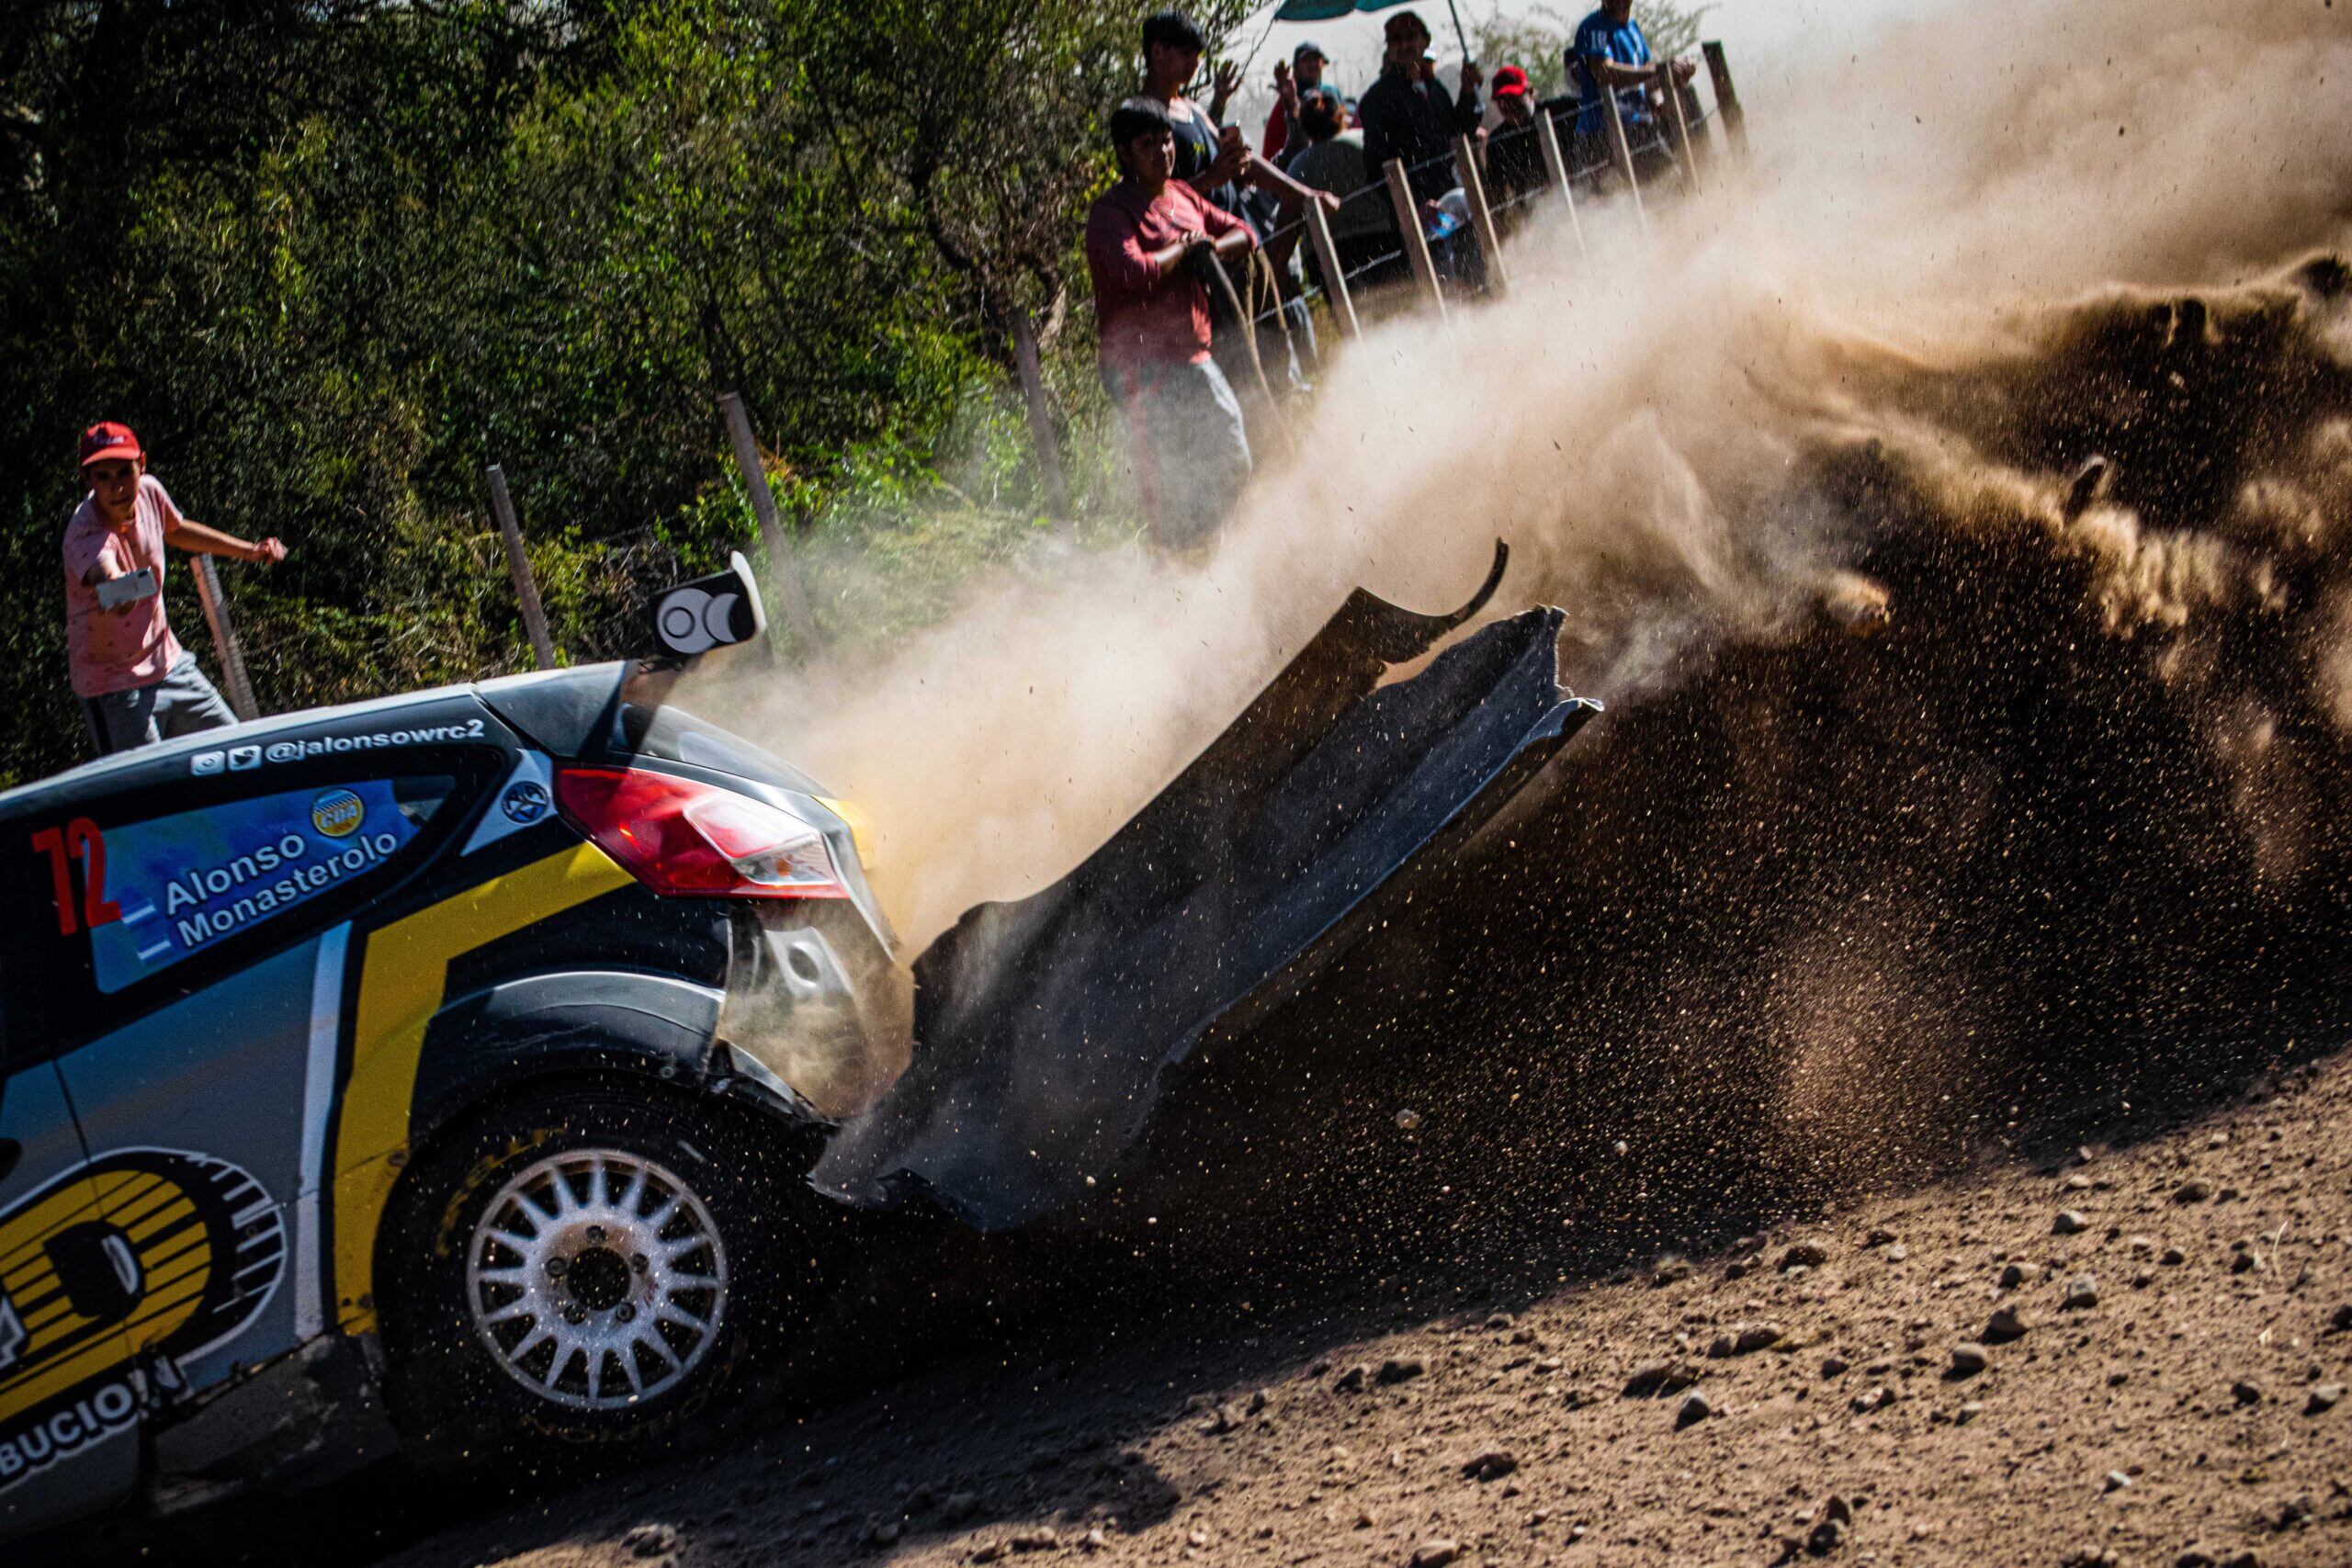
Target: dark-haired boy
[{"x": 1144, "y": 240}]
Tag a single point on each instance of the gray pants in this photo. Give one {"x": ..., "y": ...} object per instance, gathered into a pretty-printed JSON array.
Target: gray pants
[
  {"x": 1192, "y": 451},
  {"x": 182, "y": 703}
]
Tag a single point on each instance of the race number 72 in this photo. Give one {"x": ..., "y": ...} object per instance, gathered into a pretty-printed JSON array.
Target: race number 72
[{"x": 78, "y": 840}]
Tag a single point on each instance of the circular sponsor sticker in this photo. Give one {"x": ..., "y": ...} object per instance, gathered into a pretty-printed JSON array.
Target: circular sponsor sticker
[
  {"x": 338, "y": 813},
  {"x": 525, "y": 802}
]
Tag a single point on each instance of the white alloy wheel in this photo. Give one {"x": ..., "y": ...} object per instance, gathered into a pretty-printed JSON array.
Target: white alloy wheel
[{"x": 597, "y": 1279}]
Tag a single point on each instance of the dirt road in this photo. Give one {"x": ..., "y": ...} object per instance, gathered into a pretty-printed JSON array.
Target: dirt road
[{"x": 2154, "y": 1321}]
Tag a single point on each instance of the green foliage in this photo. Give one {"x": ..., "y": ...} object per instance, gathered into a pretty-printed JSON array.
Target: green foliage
[{"x": 331, "y": 257}]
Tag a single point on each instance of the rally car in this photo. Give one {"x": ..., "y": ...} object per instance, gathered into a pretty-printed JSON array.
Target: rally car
[{"x": 490, "y": 1069}]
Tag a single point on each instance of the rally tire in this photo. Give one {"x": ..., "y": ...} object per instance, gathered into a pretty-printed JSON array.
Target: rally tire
[{"x": 585, "y": 1273}]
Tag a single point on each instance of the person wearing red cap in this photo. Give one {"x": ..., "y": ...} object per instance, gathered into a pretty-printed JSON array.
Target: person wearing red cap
[
  {"x": 137, "y": 684},
  {"x": 1514, "y": 165}
]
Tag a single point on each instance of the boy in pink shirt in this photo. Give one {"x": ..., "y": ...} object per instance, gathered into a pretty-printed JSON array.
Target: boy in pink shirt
[
  {"x": 1146, "y": 239},
  {"x": 138, "y": 685}
]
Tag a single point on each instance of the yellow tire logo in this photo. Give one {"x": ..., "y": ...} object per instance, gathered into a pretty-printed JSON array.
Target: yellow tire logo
[{"x": 145, "y": 1256}]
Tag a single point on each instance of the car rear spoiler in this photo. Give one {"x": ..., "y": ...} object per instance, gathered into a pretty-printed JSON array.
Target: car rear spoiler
[{"x": 1042, "y": 1027}]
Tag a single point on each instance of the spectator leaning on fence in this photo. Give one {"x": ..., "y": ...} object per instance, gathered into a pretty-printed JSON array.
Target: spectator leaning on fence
[
  {"x": 1211, "y": 157},
  {"x": 1406, "y": 115},
  {"x": 1363, "y": 230},
  {"x": 137, "y": 684},
  {"x": 1293, "y": 83},
  {"x": 1611, "y": 52},
  {"x": 1215, "y": 161},
  {"x": 1144, "y": 242},
  {"x": 1515, "y": 167}
]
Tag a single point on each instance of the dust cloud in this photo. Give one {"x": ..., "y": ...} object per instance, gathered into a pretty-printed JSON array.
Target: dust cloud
[
  {"x": 1630, "y": 421},
  {"x": 2083, "y": 787}
]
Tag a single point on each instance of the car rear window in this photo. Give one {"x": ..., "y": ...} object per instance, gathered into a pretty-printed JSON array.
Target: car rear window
[
  {"x": 670, "y": 735},
  {"x": 175, "y": 886}
]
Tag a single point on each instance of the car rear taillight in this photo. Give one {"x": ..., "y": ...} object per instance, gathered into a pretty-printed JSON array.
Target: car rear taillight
[{"x": 690, "y": 839}]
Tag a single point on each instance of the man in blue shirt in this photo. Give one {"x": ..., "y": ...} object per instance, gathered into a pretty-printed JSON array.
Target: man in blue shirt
[{"x": 1611, "y": 52}]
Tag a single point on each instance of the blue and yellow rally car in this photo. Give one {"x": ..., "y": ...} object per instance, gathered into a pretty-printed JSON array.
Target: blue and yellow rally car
[
  {"x": 494, "y": 1070},
  {"x": 397, "y": 1070}
]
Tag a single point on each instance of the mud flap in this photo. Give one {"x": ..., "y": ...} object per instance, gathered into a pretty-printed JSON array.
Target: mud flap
[{"x": 1042, "y": 1027}]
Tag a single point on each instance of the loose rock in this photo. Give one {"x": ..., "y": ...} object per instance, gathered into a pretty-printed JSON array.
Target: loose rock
[
  {"x": 1968, "y": 1359},
  {"x": 1352, "y": 1379},
  {"x": 2020, "y": 1274},
  {"x": 1653, "y": 1378},
  {"x": 2196, "y": 1189},
  {"x": 1436, "y": 1553},
  {"x": 2245, "y": 1392},
  {"x": 1696, "y": 1407},
  {"x": 2082, "y": 1291},
  {"x": 2070, "y": 1221},
  {"x": 1744, "y": 1339},
  {"x": 1805, "y": 1255},
  {"x": 1402, "y": 1369},
  {"x": 2323, "y": 1398},
  {"x": 1490, "y": 1464},
  {"x": 2006, "y": 1324}
]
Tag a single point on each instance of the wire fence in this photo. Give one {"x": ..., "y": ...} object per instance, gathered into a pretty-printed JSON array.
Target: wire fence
[{"x": 1517, "y": 179}]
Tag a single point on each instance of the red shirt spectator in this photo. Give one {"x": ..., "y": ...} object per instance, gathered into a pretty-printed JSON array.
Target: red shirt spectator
[{"x": 1143, "y": 316}]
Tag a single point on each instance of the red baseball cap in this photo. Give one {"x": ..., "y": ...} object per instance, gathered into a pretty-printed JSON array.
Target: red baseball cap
[
  {"x": 108, "y": 439},
  {"x": 1510, "y": 82}
]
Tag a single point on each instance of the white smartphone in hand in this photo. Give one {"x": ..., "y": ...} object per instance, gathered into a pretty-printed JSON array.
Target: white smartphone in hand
[{"x": 128, "y": 589}]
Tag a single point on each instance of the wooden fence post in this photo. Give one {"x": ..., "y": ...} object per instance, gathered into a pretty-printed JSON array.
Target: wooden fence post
[
  {"x": 797, "y": 617},
  {"x": 1335, "y": 279},
  {"x": 1408, "y": 226},
  {"x": 1727, "y": 107},
  {"x": 518, "y": 567},
  {"x": 1677, "y": 128},
  {"x": 224, "y": 638},
  {"x": 1041, "y": 415},
  {"x": 1548, "y": 136},
  {"x": 1622, "y": 151},
  {"x": 1482, "y": 217}
]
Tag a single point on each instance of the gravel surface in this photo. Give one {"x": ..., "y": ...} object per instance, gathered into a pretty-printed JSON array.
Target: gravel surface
[{"x": 1938, "y": 1375}]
